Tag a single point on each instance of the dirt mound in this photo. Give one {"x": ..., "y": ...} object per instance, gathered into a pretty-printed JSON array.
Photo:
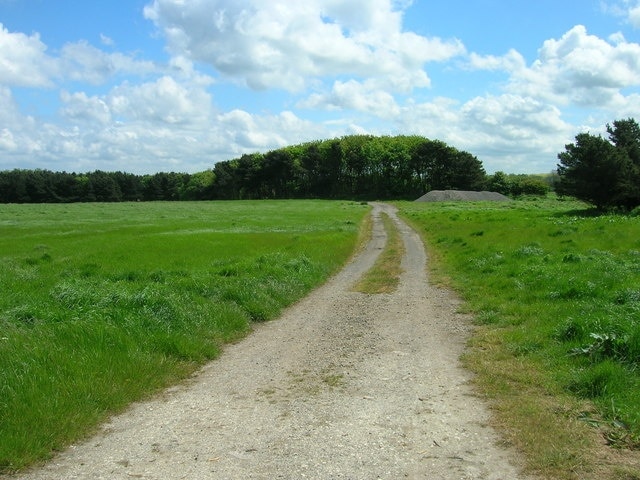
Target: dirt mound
[{"x": 462, "y": 196}]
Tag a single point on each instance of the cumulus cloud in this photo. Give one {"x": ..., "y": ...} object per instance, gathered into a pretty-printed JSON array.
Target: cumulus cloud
[
  {"x": 284, "y": 44},
  {"x": 518, "y": 119},
  {"x": 247, "y": 132},
  {"x": 81, "y": 61},
  {"x": 634, "y": 16},
  {"x": 161, "y": 125},
  {"x": 581, "y": 69},
  {"x": 25, "y": 141},
  {"x": 9, "y": 108},
  {"x": 106, "y": 40},
  {"x": 512, "y": 61},
  {"x": 78, "y": 107},
  {"x": 7, "y": 141},
  {"x": 507, "y": 132},
  {"x": 19, "y": 131},
  {"x": 353, "y": 95},
  {"x": 576, "y": 69},
  {"x": 627, "y": 9},
  {"x": 163, "y": 101},
  {"x": 24, "y": 61},
  {"x": 8, "y": 114}
]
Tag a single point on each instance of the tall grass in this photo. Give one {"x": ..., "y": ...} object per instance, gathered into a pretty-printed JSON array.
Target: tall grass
[
  {"x": 103, "y": 304},
  {"x": 555, "y": 290}
]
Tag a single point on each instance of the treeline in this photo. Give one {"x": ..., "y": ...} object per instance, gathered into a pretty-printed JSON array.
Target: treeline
[
  {"x": 354, "y": 167},
  {"x": 44, "y": 186}
]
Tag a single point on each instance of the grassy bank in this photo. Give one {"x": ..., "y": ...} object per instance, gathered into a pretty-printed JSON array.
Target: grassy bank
[
  {"x": 555, "y": 290},
  {"x": 103, "y": 304}
]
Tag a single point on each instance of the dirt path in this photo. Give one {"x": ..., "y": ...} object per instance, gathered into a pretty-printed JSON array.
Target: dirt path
[{"x": 344, "y": 385}]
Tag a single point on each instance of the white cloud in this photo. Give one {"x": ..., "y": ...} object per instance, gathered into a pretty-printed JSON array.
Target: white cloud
[
  {"x": 634, "y": 16},
  {"x": 513, "y": 119},
  {"x": 242, "y": 129},
  {"x": 580, "y": 69},
  {"x": 617, "y": 38},
  {"x": 78, "y": 107},
  {"x": 23, "y": 60},
  {"x": 352, "y": 95},
  {"x": 9, "y": 109},
  {"x": 163, "y": 101},
  {"x": 156, "y": 126},
  {"x": 81, "y": 61},
  {"x": 284, "y": 44},
  {"x": 512, "y": 61},
  {"x": 20, "y": 133},
  {"x": 107, "y": 41},
  {"x": 185, "y": 70},
  {"x": 506, "y": 132},
  {"x": 7, "y": 141},
  {"x": 245, "y": 132},
  {"x": 627, "y": 9}
]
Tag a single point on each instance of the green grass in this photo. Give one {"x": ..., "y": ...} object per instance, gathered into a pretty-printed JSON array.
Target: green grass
[
  {"x": 555, "y": 290},
  {"x": 384, "y": 276},
  {"x": 104, "y": 304}
]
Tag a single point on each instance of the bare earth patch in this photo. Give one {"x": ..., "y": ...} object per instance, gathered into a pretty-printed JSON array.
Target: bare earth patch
[{"x": 343, "y": 385}]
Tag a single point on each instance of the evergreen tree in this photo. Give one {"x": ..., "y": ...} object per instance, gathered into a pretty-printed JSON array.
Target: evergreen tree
[{"x": 605, "y": 173}]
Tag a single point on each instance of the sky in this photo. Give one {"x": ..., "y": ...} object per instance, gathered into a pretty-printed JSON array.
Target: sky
[{"x": 145, "y": 86}]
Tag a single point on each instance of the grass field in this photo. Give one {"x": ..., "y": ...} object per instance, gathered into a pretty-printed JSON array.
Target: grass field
[
  {"x": 555, "y": 290},
  {"x": 103, "y": 304}
]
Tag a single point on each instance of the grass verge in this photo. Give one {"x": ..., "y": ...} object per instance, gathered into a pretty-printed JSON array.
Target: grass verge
[
  {"x": 554, "y": 290},
  {"x": 384, "y": 276},
  {"x": 104, "y": 304}
]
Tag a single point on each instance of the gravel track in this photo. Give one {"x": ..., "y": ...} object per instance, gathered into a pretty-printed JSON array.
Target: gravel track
[{"x": 344, "y": 385}]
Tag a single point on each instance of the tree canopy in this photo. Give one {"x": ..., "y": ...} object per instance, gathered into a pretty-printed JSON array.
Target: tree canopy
[
  {"x": 603, "y": 172},
  {"x": 356, "y": 166}
]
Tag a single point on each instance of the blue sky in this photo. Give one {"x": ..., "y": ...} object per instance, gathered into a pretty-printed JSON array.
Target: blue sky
[{"x": 176, "y": 85}]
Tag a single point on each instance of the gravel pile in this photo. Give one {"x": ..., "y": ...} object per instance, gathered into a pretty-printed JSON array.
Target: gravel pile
[{"x": 462, "y": 196}]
